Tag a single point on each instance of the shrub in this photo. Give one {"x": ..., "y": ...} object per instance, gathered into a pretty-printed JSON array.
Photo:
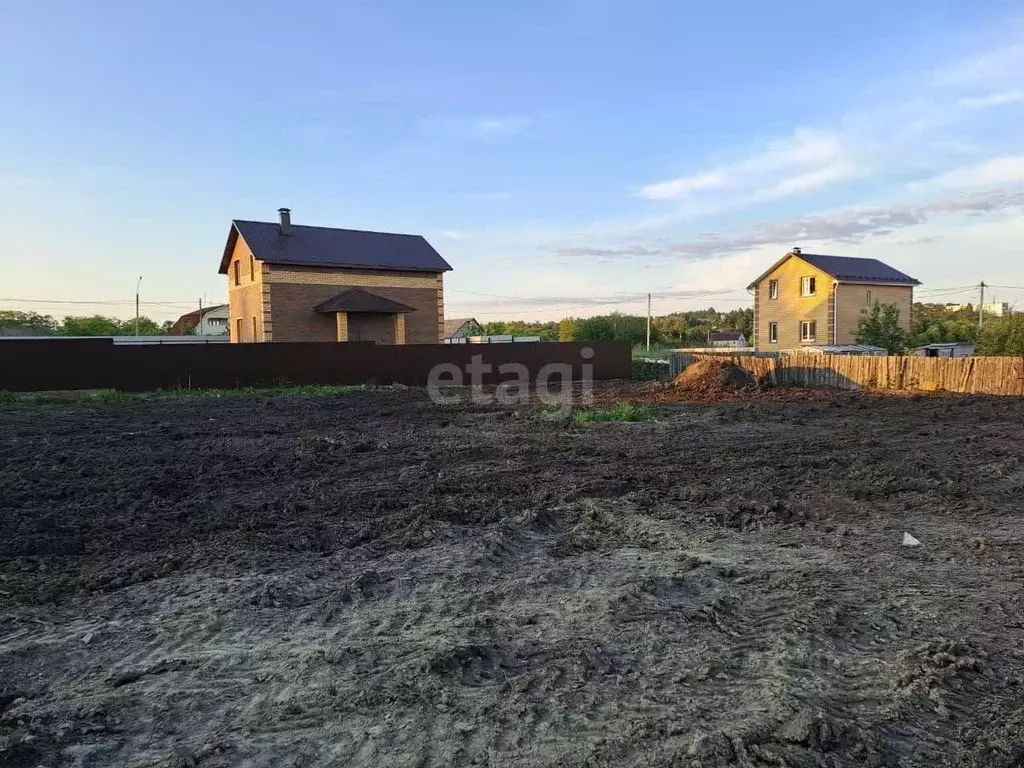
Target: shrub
[{"x": 621, "y": 412}]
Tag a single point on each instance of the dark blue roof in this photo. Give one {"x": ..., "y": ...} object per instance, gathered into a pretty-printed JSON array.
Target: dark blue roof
[
  {"x": 327, "y": 247},
  {"x": 856, "y": 269}
]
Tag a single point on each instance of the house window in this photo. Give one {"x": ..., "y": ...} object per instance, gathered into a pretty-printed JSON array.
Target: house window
[
  {"x": 869, "y": 299},
  {"x": 807, "y": 329},
  {"x": 807, "y": 286},
  {"x": 773, "y": 333},
  {"x": 238, "y": 278},
  {"x": 773, "y": 289},
  {"x": 238, "y": 330},
  {"x": 254, "y": 328},
  {"x": 252, "y": 267}
]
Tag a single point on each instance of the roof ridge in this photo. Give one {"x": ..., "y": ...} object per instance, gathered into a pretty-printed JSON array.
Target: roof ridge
[{"x": 333, "y": 229}]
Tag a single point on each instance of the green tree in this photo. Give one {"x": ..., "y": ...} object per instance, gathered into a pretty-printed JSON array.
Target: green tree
[
  {"x": 567, "y": 329},
  {"x": 96, "y": 325},
  {"x": 30, "y": 322},
  {"x": 147, "y": 327},
  {"x": 594, "y": 329},
  {"x": 880, "y": 327},
  {"x": 1002, "y": 336}
]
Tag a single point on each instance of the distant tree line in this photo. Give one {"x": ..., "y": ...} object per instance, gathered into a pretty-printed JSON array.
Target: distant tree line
[
  {"x": 933, "y": 323},
  {"x": 679, "y": 329},
  {"x": 96, "y": 325}
]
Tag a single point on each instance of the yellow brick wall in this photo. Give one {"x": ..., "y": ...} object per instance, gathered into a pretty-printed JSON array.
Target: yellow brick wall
[
  {"x": 249, "y": 298},
  {"x": 790, "y": 309},
  {"x": 853, "y": 297}
]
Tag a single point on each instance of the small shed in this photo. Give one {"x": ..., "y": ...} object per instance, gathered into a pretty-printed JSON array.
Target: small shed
[
  {"x": 730, "y": 339},
  {"x": 946, "y": 349}
]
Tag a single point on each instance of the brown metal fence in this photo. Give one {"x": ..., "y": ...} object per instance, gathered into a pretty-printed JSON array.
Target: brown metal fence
[
  {"x": 59, "y": 364},
  {"x": 976, "y": 375}
]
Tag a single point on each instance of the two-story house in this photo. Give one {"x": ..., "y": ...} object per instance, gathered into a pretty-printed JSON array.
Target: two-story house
[
  {"x": 806, "y": 299},
  {"x": 288, "y": 282}
]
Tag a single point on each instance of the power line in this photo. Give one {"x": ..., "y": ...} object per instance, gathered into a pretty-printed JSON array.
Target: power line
[{"x": 103, "y": 303}]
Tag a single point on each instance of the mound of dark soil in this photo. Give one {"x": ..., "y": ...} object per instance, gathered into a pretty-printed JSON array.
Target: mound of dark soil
[{"x": 713, "y": 376}]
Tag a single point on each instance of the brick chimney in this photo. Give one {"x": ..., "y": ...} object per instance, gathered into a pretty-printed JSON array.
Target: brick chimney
[{"x": 286, "y": 220}]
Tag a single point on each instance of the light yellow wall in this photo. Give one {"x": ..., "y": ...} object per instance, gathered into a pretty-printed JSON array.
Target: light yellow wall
[
  {"x": 853, "y": 297},
  {"x": 248, "y": 299},
  {"x": 790, "y": 309}
]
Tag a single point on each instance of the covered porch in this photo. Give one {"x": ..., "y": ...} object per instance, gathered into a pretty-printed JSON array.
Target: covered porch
[{"x": 364, "y": 316}]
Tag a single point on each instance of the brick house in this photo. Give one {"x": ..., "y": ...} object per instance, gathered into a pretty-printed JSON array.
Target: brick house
[
  {"x": 301, "y": 283},
  {"x": 457, "y": 328},
  {"x": 806, "y": 299}
]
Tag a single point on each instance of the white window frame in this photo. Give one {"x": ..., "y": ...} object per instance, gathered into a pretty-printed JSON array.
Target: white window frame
[
  {"x": 773, "y": 333},
  {"x": 869, "y": 299},
  {"x": 808, "y": 330},
  {"x": 773, "y": 289},
  {"x": 808, "y": 286}
]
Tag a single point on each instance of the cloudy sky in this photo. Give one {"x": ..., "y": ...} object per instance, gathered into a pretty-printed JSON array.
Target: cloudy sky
[{"x": 565, "y": 156}]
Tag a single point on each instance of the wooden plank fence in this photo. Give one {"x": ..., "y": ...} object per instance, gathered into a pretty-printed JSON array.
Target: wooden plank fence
[{"x": 968, "y": 375}]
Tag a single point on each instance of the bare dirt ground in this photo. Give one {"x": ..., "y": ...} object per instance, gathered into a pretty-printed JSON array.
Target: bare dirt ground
[{"x": 372, "y": 580}]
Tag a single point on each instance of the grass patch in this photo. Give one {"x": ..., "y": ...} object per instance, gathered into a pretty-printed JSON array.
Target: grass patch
[
  {"x": 621, "y": 412},
  {"x": 121, "y": 396}
]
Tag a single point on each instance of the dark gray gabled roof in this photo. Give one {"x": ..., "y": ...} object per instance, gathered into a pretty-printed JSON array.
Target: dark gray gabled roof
[
  {"x": 861, "y": 270},
  {"x": 359, "y": 300},
  {"x": 726, "y": 335},
  {"x": 327, "y": 247},
  {"x": 851, "y": 269}
]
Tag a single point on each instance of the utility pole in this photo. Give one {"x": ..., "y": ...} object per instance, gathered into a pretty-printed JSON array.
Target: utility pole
[
  {"x": 137, "y": 286},
  {"x": 981, "y": 304},
  {"x": 648, "y": 322},
  {"x": 199, "y": 325}
]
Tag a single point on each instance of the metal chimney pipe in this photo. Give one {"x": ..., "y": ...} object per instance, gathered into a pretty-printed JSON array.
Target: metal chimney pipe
[{"x": 286, "y": 220}]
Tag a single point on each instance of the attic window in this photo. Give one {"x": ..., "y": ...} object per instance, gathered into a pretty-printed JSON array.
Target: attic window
[
  {"x": 773, "y": 289},
  {"x": 236, "y": 275},
  {"x": 808, "y": 286}
]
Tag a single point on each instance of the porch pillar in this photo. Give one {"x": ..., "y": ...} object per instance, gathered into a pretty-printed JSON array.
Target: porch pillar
[
  {"x": 342, "y": 325},
  {"x": 399, "y": 328}
]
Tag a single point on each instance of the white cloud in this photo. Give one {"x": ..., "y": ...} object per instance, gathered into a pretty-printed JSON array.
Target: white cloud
[
  {"x": 456, "y": 234},
  {"x": 475, "y": 127},
  {"x": 848, "y": 226},
  {"x": 806, "y": 160},
  {"x": 1007, "y": 61},
  {"x": 998, "y": 170},
  {"x": 503, "y": 126},
  {"x": 805, "y": 182},
  {"x": 993, "y": 100},
  {"x": 676, "y": 188}
]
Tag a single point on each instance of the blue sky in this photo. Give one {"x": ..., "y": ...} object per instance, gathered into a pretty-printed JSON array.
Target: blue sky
[{"x": 566, "y": 157}]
